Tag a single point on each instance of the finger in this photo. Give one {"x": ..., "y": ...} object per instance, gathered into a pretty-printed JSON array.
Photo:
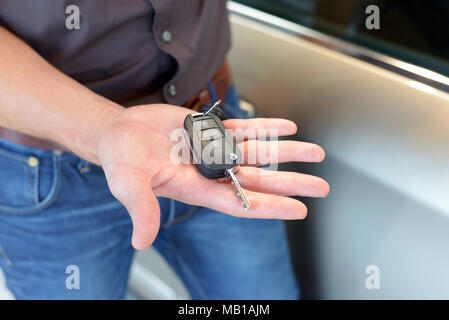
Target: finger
[
  {"x": 133, "y": 190},
  {"x": 250, "y": 129},
  {"x": 255, "y": 152},
  {"x": 282, "y": 183},
  {"x": 220, "y": 196}
]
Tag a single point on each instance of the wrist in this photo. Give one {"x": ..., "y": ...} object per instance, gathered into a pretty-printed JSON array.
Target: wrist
[{"x": 86, "y": 141}]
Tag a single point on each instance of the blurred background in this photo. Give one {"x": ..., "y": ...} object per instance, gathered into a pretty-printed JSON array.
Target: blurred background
[{"x": 378, "y": 101}]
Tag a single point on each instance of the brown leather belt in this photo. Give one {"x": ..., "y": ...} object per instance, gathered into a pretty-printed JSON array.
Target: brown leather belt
[{"x": 222, "y": 81}]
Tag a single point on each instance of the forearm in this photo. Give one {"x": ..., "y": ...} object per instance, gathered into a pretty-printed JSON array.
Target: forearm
[{"x": 39, "y": 100}]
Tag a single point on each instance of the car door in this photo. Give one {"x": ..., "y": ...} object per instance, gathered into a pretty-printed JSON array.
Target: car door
[{"x": 377, "y": 101}]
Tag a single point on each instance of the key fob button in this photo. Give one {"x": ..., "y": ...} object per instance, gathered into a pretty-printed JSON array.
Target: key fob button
[
  {"x": 208, "y": 123},
  {"x": 211, "y": 134},
  {"x": 211, "y": 145},
  {"x": 211, "y": 150}
]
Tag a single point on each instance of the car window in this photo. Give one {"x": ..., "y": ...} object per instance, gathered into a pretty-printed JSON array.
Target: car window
[{"x": 415, "y": 31}]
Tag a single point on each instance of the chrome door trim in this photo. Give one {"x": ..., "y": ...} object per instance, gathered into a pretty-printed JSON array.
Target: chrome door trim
[{"x": 423, "y": 75}]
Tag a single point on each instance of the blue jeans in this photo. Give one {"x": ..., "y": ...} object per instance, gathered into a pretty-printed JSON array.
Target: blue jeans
[{"x": 56, "y": 214}]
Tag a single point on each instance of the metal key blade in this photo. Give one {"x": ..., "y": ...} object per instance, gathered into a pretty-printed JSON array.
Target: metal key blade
[{"x": 238, "y": 190}]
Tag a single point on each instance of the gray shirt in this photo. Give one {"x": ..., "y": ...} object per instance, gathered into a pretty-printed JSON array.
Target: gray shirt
[{"x": 130, "y": 51}]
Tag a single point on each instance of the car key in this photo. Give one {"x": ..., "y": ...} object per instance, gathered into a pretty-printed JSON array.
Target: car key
[{"x": 214, "y": 151}]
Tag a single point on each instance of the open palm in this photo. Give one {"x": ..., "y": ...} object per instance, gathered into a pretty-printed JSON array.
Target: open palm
[{"x": 134, "y": 151}]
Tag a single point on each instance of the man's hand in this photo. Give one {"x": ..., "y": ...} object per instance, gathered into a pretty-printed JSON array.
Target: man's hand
[
  {"x": 134, "y": 150},
  {"x": 133, "y": 145}
]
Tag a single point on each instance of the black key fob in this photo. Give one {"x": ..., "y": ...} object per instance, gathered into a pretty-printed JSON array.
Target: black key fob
[{"x": 212, "y": 146}]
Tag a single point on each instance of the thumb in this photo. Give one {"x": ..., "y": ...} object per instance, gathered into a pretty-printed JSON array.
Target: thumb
[
  {"x": 135, "y": 193},
  {"x": 145, "y": 214}
]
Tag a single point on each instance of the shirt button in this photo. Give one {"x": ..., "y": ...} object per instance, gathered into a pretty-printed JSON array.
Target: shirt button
[
  {"x": 172, "y": 90},
  {"x": 166, "y": 36}
]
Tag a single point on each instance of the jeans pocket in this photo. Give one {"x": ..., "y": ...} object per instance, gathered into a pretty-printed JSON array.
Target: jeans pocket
[
  {"x": 232, "y": 105},
  {"x": 25, "y": 186}
]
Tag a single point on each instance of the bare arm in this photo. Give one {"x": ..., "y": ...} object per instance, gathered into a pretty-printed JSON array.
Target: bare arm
[{"x": 38, "y": 99}]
